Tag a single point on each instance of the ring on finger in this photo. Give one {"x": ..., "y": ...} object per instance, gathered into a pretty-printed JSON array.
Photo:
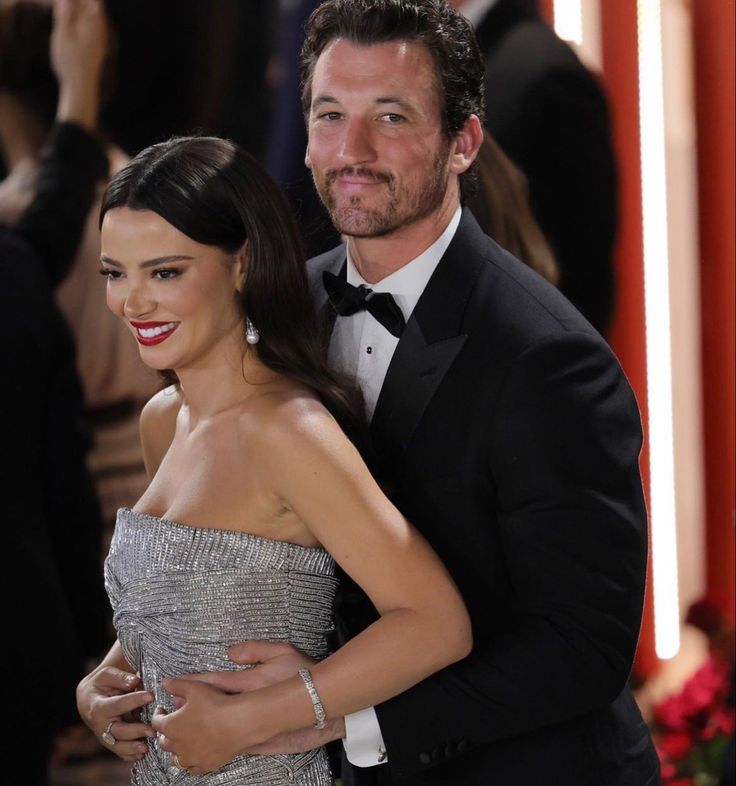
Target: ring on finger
[{"x": 107, "y": 736}]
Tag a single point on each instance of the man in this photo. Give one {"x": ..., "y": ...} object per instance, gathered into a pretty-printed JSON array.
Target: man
[
  {"x": 503, "y": 426},
  {"x": 548, "y": 113}
]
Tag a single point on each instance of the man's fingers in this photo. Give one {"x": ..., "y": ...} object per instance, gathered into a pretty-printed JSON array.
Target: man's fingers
[
  {"x": 158, "y": 719},
  {"x": 228, "y": 681},
  {"x": 260, "y": 651}
]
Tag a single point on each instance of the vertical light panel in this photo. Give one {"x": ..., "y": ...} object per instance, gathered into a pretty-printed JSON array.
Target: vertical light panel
[
  {"x": 657, "y": 321},
  {"x": 569, "y": 20}
]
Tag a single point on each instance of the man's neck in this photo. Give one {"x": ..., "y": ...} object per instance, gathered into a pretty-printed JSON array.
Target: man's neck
[{"x": 377, "y": 257}]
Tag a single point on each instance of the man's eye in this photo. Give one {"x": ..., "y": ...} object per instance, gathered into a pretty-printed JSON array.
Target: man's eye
[
  {"x": 330, "y": 116},
  {"x": 393, "y": 118}
]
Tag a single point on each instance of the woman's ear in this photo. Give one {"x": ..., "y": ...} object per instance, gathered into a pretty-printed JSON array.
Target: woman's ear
[{"x": 240, "y": 268}]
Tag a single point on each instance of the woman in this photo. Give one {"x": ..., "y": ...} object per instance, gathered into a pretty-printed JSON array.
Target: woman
[{"x": 254, "y": 483}]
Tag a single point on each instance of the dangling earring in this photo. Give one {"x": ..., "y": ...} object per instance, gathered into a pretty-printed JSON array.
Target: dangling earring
[{"x": 252, "y": 336}]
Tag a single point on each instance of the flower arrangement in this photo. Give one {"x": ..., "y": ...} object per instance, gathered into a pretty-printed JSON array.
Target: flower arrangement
[{"x": 693, "y": 728}]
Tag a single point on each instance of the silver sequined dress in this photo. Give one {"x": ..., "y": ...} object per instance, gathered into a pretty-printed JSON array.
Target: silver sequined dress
[{"x": 181, "y": 595}]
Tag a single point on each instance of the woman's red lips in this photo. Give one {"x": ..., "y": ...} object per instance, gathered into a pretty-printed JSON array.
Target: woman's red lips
[{"x": 150, "y": 333}]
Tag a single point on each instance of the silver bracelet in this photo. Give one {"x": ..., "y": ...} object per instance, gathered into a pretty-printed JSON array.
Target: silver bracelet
[{"x": 319, "y": 710}]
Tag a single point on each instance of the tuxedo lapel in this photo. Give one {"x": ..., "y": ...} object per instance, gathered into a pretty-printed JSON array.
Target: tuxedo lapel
[
  {"x": 334, "y": 262},
  {"x": 430, "y": 343}
]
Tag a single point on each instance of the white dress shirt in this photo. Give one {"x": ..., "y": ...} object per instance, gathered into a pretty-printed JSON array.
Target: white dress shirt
[{"x": 362, "y": 348}]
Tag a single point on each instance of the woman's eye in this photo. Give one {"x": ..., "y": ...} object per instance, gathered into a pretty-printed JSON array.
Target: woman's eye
[
  {"x": 110, "y": 275},
  {"x": 165, "y": 273}
]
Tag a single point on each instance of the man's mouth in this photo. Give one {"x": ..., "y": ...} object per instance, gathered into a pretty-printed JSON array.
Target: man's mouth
[{"x": 149, "y": 333}]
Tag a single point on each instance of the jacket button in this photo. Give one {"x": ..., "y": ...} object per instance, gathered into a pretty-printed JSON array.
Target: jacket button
[
  {"x": 450, "y": 750},
  {"x": 425, "y": 758}
]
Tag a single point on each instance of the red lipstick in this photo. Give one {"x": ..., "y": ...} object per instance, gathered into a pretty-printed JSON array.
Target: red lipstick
[{"x": 151, "y": 333}]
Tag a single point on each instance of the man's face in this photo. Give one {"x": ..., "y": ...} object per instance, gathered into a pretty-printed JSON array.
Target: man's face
[{"x": 376, "y": 148}]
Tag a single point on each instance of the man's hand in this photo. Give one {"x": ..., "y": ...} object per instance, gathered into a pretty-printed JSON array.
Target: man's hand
[
  {"x": 79, "y": 46},
  {"x": 271, "y": 662}
]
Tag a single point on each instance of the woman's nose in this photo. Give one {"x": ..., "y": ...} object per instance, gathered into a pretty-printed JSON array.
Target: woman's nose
[{"x": 138, "y": 302}]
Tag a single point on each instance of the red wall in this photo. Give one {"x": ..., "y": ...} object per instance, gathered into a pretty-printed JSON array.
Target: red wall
[
  {"x": 713, "y": 26},
  {"x": 627, "y": 337}
]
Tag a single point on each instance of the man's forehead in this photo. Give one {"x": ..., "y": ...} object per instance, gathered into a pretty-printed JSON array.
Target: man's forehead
[{"x": 389, "y": 63}]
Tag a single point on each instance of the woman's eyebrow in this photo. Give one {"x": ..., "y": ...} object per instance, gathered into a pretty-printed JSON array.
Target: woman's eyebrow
[{"x": 149, "y": 262}]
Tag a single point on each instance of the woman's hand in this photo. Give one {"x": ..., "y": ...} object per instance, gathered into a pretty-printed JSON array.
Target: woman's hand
[{"x": 108, "y": 700}]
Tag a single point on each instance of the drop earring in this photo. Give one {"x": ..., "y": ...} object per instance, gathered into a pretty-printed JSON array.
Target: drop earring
[{"x": 252, "y": 336}]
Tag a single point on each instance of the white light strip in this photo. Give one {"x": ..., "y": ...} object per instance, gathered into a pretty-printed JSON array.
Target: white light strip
[
  {"x": 568, "y": 15},
  {"x": 657, "y": 320}
]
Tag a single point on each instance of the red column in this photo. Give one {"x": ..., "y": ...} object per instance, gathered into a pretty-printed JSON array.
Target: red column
[
  {"x": 546, "y": 10},
  {"x": 713, "y": 28},
  {"x": 627, "y": 337}
]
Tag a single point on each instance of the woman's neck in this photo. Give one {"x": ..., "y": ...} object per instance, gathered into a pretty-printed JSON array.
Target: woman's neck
[{"x": 222, "y": 383}]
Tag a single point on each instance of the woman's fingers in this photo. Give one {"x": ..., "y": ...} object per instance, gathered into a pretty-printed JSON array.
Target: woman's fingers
[
  {"x": 126, "y": 740},
  {"x": 128, "y": 702}
]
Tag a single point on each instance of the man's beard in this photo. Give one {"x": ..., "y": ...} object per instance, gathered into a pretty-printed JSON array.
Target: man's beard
[{"x": 356, "y": 220}]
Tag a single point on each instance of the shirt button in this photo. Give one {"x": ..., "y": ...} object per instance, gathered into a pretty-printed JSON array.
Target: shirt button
[{"x": 369, "y": 350}]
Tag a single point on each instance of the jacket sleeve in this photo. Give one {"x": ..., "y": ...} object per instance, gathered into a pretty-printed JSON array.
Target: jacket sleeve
[
  {"x": 72, "y": 164},
  {"x": 563, "y": 449}
]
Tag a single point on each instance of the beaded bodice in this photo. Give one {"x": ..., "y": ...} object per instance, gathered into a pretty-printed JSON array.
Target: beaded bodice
[{"x": 182, "y": 595}]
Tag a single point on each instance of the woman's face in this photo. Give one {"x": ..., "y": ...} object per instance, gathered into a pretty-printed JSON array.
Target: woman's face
[{"x": 177, "y": 296}]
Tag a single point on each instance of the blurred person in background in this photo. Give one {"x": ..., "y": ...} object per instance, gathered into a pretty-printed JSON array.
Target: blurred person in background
[
  {"x": 116, "y": 384},
  {"x": 548, "y": 113},
  {"x": 288, "y": 132},
  {"x": 500, "y": 203},
  {"x": 53, "y": 609},
  {"x": 191, "y": 66}
]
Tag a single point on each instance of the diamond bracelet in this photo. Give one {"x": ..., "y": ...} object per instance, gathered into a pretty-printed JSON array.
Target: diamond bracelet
[{"x": 319, "y": 710}]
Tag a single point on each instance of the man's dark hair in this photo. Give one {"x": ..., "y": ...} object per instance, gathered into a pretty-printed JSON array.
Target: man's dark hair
[{"x": 447, "y": 35}]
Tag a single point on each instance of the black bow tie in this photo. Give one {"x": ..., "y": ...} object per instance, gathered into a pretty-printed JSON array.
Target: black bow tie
[{"x": 347, "y": 299}]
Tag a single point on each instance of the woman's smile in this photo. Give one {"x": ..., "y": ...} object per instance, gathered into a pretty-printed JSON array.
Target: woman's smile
[{"x": 149, "y": 333}]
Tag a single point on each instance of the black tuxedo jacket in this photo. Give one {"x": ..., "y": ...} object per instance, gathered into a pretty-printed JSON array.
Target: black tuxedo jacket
[
  {"x": 548, "y": 113},
  {"x": 507, "y": 433}
]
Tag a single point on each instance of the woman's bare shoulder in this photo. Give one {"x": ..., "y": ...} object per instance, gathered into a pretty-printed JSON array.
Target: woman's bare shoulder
[
  {"x": 158, "y": 425},
  {"x": 162, "y": 408},
  {"x": 293, "y": 422}
]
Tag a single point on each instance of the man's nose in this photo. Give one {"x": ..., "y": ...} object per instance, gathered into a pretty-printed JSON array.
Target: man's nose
[{"x": 357, "y": 143}]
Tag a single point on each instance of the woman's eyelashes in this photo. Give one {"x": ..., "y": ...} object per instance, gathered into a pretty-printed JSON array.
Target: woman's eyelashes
[{"x": 160, "y": 274}]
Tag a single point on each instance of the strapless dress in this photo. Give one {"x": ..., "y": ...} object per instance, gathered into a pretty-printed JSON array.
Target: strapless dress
[{"x": 182, "y": 595}]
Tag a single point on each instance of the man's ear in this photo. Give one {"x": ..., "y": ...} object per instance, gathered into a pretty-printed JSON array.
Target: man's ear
[
  {"x": 240, "y": 268},
  {"x": 307, "y": 159},
  {"x": 465, "y": 145}
]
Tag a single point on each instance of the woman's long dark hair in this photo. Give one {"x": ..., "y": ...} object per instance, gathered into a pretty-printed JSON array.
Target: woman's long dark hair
[{"x": 219, "y": 195}]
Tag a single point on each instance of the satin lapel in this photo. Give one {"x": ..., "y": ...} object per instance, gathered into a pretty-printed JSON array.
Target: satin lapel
[
  {"x": 334, "y": 261},
  {"x": 431, "y": 341}
]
